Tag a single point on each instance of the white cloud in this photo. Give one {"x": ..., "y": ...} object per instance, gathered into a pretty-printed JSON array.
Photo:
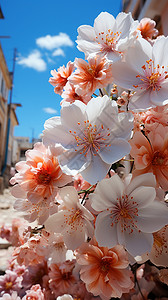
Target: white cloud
[
  {"x": 52, "y": 42},
  {"x": 50, "y": 110},
  {"x": 34, "y": 61},
  {"x": 58, "y": 52}
]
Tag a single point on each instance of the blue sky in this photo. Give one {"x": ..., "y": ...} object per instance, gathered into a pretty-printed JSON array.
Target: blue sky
[{"x": 44, "y": 33}]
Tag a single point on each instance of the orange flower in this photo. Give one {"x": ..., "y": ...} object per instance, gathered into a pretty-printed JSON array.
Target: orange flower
[
  {"x": 104, "y": 270},
  {"x": 147, "y": 28},
  {"x": 60, "y": 77},
  {"x": 151, "y": 154},
  {"x": 61, "y": 277},
  {"x": 88, "y": 77},
  {"x": 38, "y": 181}
]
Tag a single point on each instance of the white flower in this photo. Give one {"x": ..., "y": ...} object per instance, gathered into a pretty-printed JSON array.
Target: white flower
[
  {"x": 57, "y": 248},
  {"x": 73, "y": 222},
  {"x": 94, "y": 137},
  {"x": 129, "y": 214},
  {"x": 145, "y": 70},
  {"x": 39, "y": 211},
  {"x": 109, "y": 36}
]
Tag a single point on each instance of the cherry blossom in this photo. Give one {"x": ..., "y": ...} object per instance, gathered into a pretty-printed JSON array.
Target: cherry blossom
[
  {"x": 153, "y": 117},
  {"x": 147, "y": 28},
  {"x": 9, "y": 282},
  {"x": 35, "y": 293},
  {"x": 32, "y": 252},
  {"x": 104, "y": 270},
  {"x": 151, "y": 154},
  {"x": 37, "y": 182},
  {"x": 94, "y": 138},
  {"x": 109, "y": 36},
  {"x": 60, "y": 77},
  {"x": 61, "y": 277},
  {"x": 88, "y": 77},
  {"x": 70, "y": 95},
  {"x": 57, "y": 248},
  {"x": 128, "y": 213},
  {"x": 73, "y": 222},
  {"x": 144, "y": 71}
]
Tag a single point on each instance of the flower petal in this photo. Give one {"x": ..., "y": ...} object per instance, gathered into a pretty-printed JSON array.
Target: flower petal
[
  {"x": 141, "y": 180},
  {"x": 153, "y": 217},
  {"x": 107, "y": 192},
  {"x": 106, "y": 235},
  {"x": 116, "y": 151},
  {"x": 143, "y": 195},
  {"x": 96, "y": 170},
  {"x": 137, "y": 242}
]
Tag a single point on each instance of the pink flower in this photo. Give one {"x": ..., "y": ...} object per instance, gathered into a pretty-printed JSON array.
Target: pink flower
[
  {"x": 151, "y": 154},
  {"x": 70, "y": 95},
  {"x": 34, "y": 274},
  {"x": 57, "y": 248},
  {"x": 14, "y": 232},
  {"x": 35, "y": 293},
  {"x": 147, "y": 28},
  {"x": 40, "y": 175},
  {"x": 38, "y": 181},
  {"x": 32, "y": 252},
  {"x": 127, "y": 213},
  {"x": 104, "y": 270},
  {"x": 80, "y": 183},
  {"x": 123, "y": 99},
  {"x": 97, "y": 73},
  {"x": 73, "y": 221},
  {"x": 9, "y": 282},
  {"x": 109, "y": 36},
  {"x": 61, "y": 277},
  {"x": 5, "y": 232},
  {"x": 144, "y": 71},
  {"x": 153, "y": 117},
  {"x": 60, "y": 77}
]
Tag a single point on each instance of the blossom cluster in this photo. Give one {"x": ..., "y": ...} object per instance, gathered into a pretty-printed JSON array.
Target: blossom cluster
[{"x": 97, "y": 183}]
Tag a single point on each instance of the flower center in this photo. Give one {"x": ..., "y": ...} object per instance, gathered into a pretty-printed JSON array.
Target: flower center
[
  {"x": 153, "y": 76},
  {"x": 158, "y": 159},
  {"x": 105, "y": 264},
  {"x": 73, "y": 218},
  {"x": 91, "y": 138},
  {"x": 59, "y": 246},
  {"x": 109, "y": 40},
  {"x": 125, "y": 213},
  {"x": 43, "y": 177},
  {"x": 8, "y": 285}
]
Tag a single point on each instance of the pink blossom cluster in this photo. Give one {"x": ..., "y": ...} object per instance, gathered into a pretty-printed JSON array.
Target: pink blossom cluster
[{"x": 97, "y": 184}]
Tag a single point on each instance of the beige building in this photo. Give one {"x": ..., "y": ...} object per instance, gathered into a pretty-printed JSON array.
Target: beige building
[
  {"x": 5, "y": 86},
  {"x": 154, "y": 9},
  {"x": 20, "y": 145}
]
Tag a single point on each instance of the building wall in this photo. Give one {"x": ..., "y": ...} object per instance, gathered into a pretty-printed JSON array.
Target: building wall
[
  {"x": 154, "y": 9},
  {"x": 5, "y": 85}
]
